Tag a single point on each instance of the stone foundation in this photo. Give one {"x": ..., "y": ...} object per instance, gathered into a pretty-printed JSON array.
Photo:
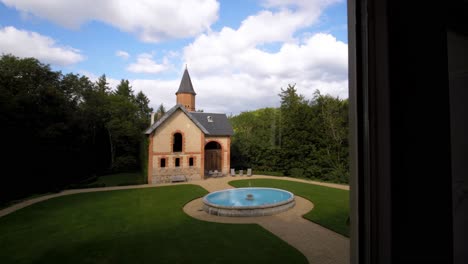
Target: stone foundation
[{"x": 163, "y": 175}]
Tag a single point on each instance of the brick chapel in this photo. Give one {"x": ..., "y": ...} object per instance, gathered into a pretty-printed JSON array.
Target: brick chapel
[{"x": 186, "y": 142}]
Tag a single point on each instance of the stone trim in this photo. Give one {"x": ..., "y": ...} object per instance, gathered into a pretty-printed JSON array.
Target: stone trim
[
  {"x": 150, "y": 159},
  {"x": 202, "y": 156},
  {"x": 248, "y": 212},
  {"x": 228, "y": 149}
]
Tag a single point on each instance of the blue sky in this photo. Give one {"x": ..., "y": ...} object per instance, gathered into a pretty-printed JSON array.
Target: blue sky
[{"x": 239, "y": 53}]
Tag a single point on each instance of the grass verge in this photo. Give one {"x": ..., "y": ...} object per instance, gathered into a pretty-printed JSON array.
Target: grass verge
[{"x": 331, "y": 206}]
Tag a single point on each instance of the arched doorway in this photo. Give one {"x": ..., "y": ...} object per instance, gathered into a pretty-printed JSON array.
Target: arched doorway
[{"x": 213, "y": 156}]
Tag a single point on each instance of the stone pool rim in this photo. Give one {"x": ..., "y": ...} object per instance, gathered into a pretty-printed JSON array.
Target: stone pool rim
[{"x": 255, "y": 210}]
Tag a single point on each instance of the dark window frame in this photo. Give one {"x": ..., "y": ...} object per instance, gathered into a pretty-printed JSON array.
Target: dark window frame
[{"x": 177, "y": 142}]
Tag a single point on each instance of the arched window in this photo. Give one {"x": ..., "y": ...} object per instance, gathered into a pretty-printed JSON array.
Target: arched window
[{"x": 177, "y": 146}]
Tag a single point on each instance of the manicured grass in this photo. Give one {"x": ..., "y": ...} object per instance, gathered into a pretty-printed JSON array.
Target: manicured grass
[
  {"x": 119, "y": 179},
  {"x": 331, "y": 206},
  {"x": 133, "y": 226},
  {"x": 11, "y": 203}
]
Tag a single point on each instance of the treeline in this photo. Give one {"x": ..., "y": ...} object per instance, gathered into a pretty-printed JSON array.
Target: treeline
[
  {"x": 59, "y": 129},
  {"x": 302, "y": 138}
]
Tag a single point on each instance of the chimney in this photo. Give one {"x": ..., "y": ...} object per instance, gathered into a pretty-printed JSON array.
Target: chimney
[{"x": 152, "y": 118}]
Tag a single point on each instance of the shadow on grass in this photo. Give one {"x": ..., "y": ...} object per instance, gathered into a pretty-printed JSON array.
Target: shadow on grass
[{"x": 133, "y": 226}]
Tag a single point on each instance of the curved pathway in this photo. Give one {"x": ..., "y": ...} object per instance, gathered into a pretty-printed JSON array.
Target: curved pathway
[{"x": 318, "y": 244}]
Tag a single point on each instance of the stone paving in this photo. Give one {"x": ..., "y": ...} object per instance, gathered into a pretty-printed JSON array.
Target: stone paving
[{"x": 318, "y": 244}]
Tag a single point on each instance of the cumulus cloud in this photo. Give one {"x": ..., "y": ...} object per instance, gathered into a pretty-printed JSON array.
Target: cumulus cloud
[
  {"x": 231, "y": 66},
  {"x": 234, "y": 93},
  {"x": 231, "y": 72},
  {"x": 112, "y": 82},
  {"x": 152, "y": 21},
  {"x": 122, "y": 54},
  {"x": 303, "y": 4},
  {"x": 157, "y": 91},
  {"x": 146, "y": 64},
  {"x": 23, "y": 43},
  {"x": 230, "y": 49}
]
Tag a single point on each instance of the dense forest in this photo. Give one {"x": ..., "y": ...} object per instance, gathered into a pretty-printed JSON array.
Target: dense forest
[
  {"x": 63, "y": 129},
  {"x": 59, "y": 129},
  {"x": 302, "y": 138}
]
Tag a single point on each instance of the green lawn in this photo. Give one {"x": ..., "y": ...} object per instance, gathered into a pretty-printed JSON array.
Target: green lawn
[
  {"x": 331, "y": 206},
  {"x": 130, "y": 178},
  {"x": 133, "y": 226}
]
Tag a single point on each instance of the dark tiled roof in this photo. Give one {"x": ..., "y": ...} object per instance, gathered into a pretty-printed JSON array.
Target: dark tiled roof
[
  {"x": 219, "y": 126},
  {"x": 169, "y": 114},
  {"x": 186, "y": 84}
]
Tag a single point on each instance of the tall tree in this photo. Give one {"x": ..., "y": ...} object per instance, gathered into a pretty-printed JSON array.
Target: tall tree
[
  {"x": 301, "y": 138},
  {"x": 40, "y": 133},
  {"x": 296, "y": 144},
  {"x": 144, "y": 111},
  {"x": 60, "y": 129},
  {"x": 333, "y": 117},
  {"x": 124, "y": 89},
  {"x": 102, "y": 85}
]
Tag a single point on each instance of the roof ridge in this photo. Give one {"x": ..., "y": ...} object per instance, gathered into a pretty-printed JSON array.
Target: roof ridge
[{"x": 169, "y": 113}]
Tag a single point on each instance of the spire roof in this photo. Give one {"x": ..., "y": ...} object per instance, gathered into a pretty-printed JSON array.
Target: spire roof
[{"x": 186, "y": 84}]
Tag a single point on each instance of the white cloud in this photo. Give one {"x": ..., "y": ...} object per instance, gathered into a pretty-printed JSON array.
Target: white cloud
[
  {"x": 223, "y": 51},
  {"x": 235, "y": 93},
  {"x": 234, "y": 74},
  {"x": 93, "y": 77},
  {"x": 122, "y": 54},
  {"x": 23, "y": 43},
  {"x": 146, "y": 64},
  {"x": 231, "y": 73},
  {"x": 157, "y": 91},
  {"x": 152, "y": 21}
]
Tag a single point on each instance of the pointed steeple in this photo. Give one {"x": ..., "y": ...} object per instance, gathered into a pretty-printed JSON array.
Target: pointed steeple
[
  {"x": 186, "y": 95},
  {"x": 186, "y": 84}
]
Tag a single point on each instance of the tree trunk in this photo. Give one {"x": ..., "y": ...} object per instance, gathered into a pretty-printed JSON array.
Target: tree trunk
[{"x": 111, "y": 148}]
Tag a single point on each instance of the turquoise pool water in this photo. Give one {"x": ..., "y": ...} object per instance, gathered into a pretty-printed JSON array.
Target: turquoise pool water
[{"x": 248, "y": 197}]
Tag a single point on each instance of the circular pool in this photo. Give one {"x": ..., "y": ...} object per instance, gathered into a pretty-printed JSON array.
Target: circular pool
[{"x": 248, "y": 202}]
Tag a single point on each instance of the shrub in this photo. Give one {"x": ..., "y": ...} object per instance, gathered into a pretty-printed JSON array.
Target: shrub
[
  {"x": 296, "y": 172},
  {"x": 125, "y": 163}
]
